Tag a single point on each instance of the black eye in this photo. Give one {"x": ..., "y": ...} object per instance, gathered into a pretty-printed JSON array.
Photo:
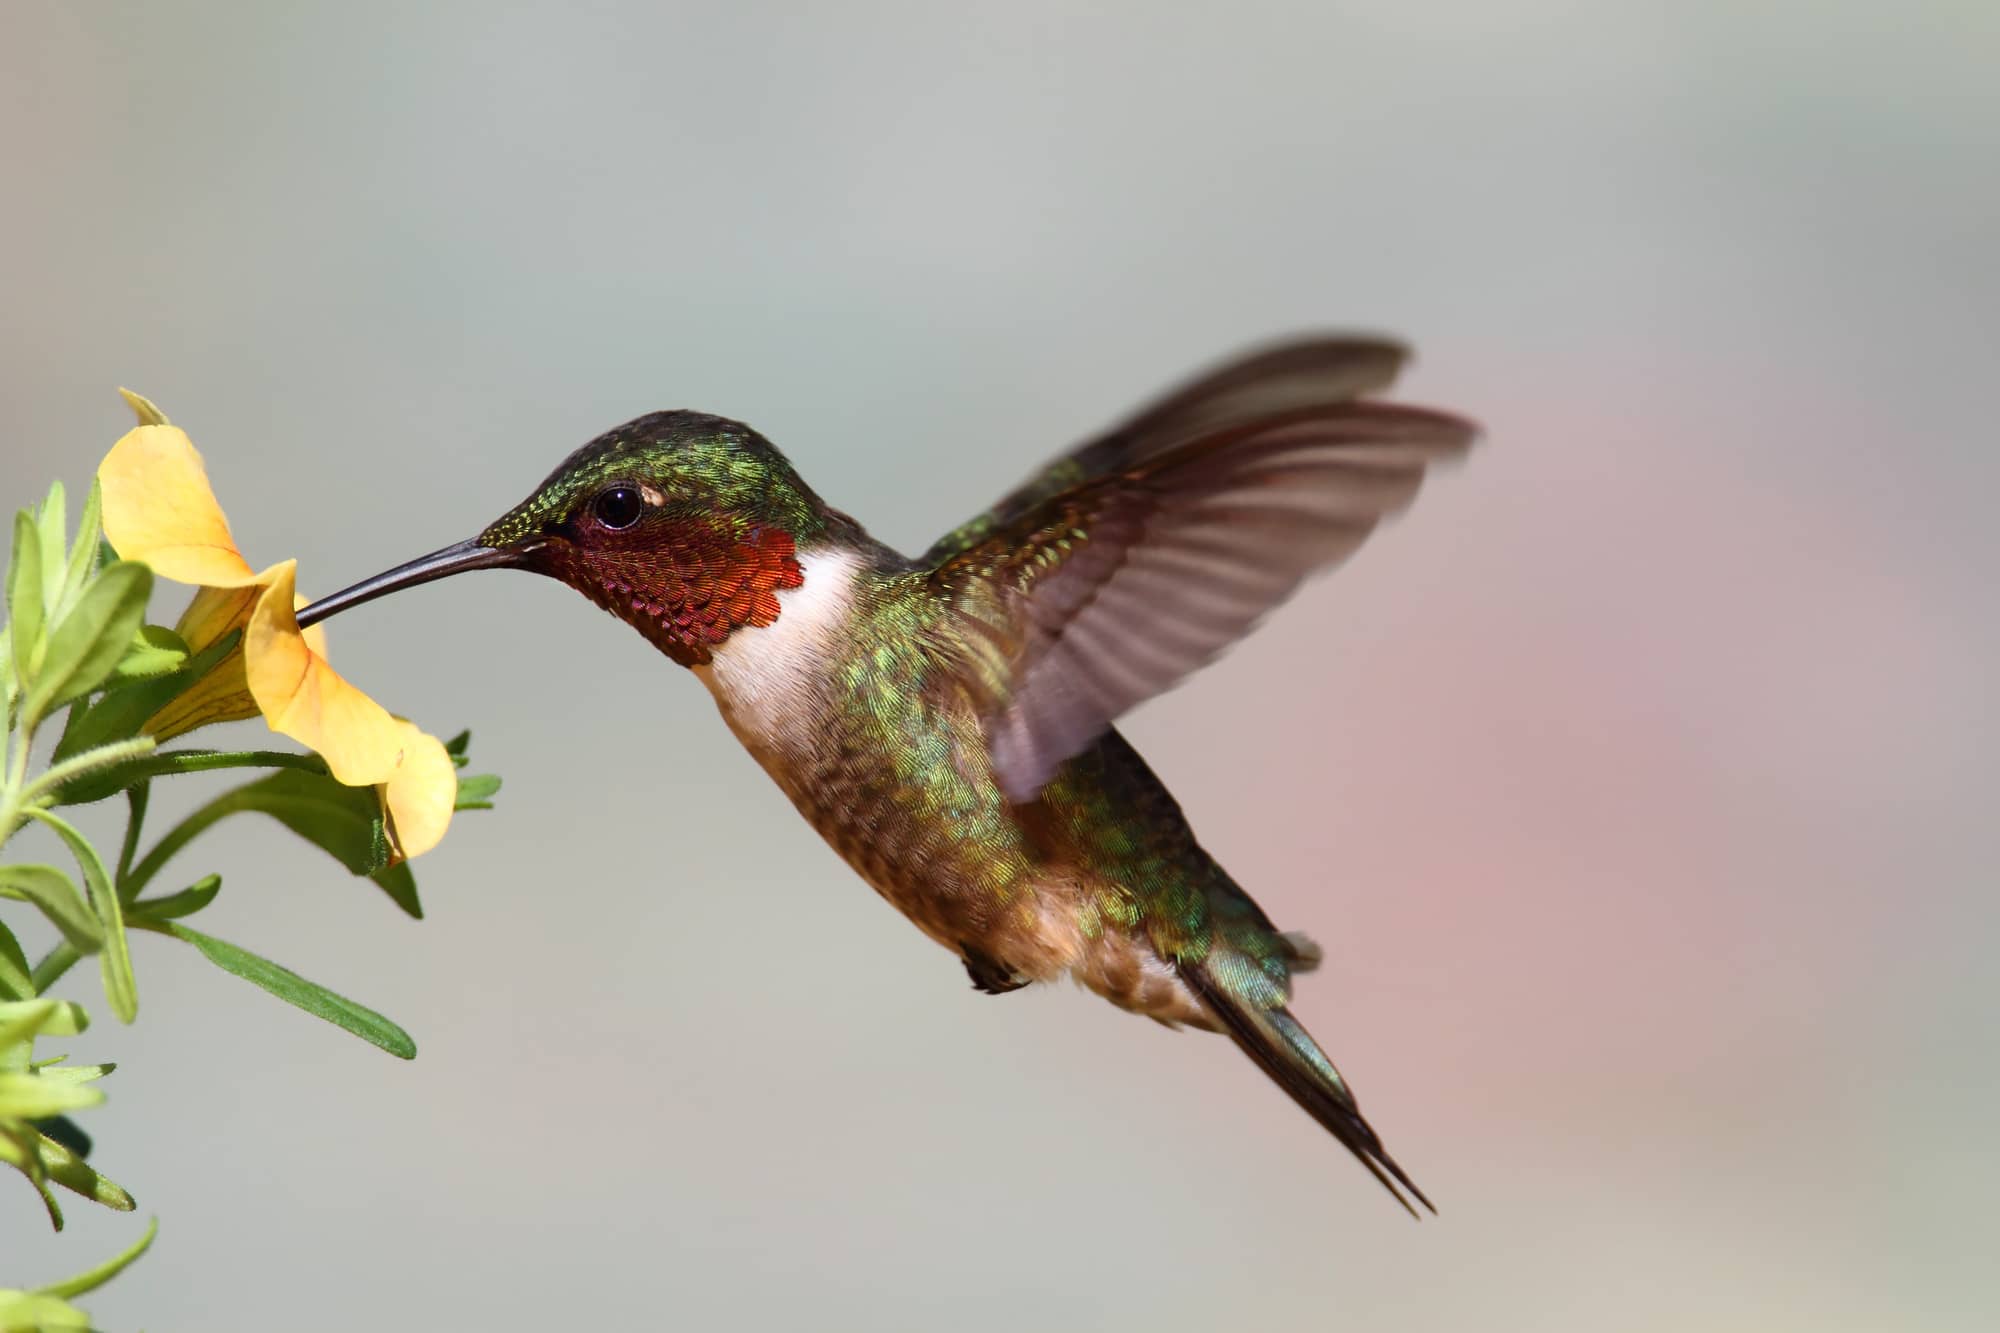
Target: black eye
[{"x": 618, "y": 507}]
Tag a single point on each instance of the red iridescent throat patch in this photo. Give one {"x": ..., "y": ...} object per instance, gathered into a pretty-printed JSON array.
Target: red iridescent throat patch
[{"x": 693, "y": 590}]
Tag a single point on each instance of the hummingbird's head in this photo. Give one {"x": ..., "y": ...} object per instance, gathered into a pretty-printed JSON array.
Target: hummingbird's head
[{"x": 680, "y": 524}]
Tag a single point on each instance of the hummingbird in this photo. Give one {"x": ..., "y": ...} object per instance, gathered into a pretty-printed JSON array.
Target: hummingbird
[{"x": 946, "y": 722}]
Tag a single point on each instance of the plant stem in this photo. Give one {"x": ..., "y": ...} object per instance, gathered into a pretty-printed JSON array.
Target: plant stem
[
  {"x": 177, "y": 837},
  {"x": 136, "y": 797},
  {"x": 204, "y": 761},
  {"x": 135, "y": 762},
  {"x": 18, "y": 773},
  {"x": 54, "y": 963},
  {"x": 75, "y": 766},
  {"x": 11, "y": 800}
]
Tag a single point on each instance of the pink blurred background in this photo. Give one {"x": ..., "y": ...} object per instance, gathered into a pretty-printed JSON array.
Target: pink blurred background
[{"x": 1639, "y": 783}]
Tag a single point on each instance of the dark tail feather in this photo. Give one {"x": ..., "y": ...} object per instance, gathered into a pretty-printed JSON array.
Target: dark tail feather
[{"x": 1287, "y": 1053}]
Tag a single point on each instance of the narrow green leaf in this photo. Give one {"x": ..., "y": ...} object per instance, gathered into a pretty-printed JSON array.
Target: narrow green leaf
[
  {"x": 89, "y": 529},
  {"x": 137, "y": 797},
  {"x": 44, "y": 1314},
  {"x": 86, "y": 646},
  {"x": 20, "y": 1148},
  {"x": 55, "y": 893},
  {"x": 343, "y": 821},
  {"x": 62, "y": 1073},
  {"x": 51, "y": 966},
  {"x": 401, "y": 885},
  {"x": 185, "y": 903},
  {"x": 458, "y": 746},
  {"x": 30, "y": 1097},
  {"x": 79, "y": 767},
  {"x": 164, "y": 763},
  {"x": 24, "y": 597},
  {"x": 294, "y": 989},
  {"x": 477, "y": 792},
  {"x": 143, "y": 408},
  {"x": 123, "y": 709},
  {"x": 116, "y": 960},
  {"x": 16, "y": 982},
  {"x": 154, "y": 651},
  {"x": 74, "y": 1174},
  {"x": 22, "y": 1020},
  {"x": 72, "y": 717},
  {"x": 104, "y": 1272},
  {"x": 53, "y": 525}
]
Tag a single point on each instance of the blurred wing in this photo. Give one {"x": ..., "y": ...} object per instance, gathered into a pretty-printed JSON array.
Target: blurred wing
[
  {"x": 1092, "y": 599},
  {"x": 1286, "y": 377}
]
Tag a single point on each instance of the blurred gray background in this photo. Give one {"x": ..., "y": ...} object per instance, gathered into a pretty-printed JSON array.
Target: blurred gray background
[{"x": 1639, "y": 783}]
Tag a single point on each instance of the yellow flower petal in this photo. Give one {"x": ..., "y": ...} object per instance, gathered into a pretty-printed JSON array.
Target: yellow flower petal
[
  {"x": 418, "y": 800},
  {"x": 159, "y": 509},
  {"x": 214, "y": 613},
  {"x": 222, "y": 695},
  {"x": 303, "y": 697}
]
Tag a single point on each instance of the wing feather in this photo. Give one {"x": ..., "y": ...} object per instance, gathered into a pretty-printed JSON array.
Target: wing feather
[{"x": 1140, "y": 557}]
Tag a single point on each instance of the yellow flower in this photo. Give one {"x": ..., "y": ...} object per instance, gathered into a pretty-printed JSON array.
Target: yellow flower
[{"x": 160, "y": 510}]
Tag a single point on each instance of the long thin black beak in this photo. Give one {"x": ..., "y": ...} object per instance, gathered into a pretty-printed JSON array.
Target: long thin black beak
[{"x": 454, "y": 559}]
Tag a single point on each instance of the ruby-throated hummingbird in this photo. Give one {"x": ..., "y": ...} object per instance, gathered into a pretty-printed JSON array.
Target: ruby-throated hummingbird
[{"x": 946, "y": 722}]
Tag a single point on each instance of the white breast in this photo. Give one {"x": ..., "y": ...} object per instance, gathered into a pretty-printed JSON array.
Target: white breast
[{"x": 767, "y": 680}]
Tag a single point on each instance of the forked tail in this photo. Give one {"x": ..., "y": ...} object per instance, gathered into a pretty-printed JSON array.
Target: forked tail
[{"x": 1286, "y": 1051}]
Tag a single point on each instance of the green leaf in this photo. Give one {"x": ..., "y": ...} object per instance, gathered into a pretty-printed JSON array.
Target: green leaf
[
  {"x": 345, "y": 822},
  {"x": 115, "y": 962},
  {"x": 139, "y": 761},
  {"x": 16, "y": 983},
  {"x": 74, "y": 1174},
  {"x": 24, "y": 597},
  {"x": 185, "y": 903},
  {"x": 20, "y": 1148},
  {"x": 143, "y": 408},
  {"x": 79, "y": 767},
  {"x": 294, "y": 989},
  {"x": 22, "y": 1020},
  {"x": 53, "y": 525},
  {"x": 477, "y": 792},
  {"x": 31, "y": 1097},
  {"x": 401, "y": 885},
  {"x": 124, "y": 708},
  {"x": 62, "y": 1073},
  {"x": 89, "y": 528},
  {"x": 56, "y": 895},
  {"x": 104, "y": 1272},
  {"x": 154, "y": 651},
  {"x": 84, "y": 648},
  {"x": 30, "y": 1310}
]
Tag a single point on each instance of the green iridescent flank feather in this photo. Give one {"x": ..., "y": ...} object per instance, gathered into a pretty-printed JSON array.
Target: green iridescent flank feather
[{"x": 895, "y": 777}]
